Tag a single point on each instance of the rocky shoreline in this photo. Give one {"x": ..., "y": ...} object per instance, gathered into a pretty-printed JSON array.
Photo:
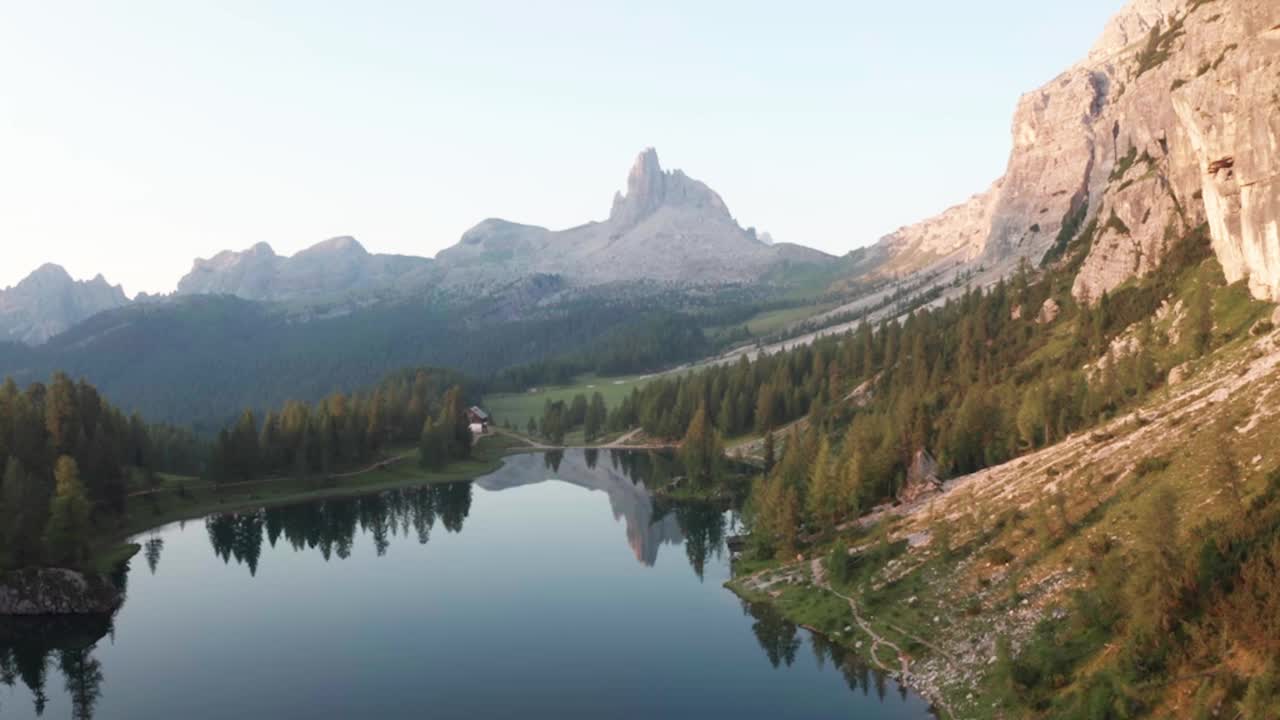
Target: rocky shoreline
[
  {"x": 926, "y": 686},
  {"x": 57, "y": 591}
]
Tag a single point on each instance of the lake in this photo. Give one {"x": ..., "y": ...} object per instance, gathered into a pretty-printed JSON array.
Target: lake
[{"x": 551, "y": 588}]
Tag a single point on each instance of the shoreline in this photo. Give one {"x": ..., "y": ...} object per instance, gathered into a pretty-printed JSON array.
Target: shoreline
[
  {"x": 864, "y": 649},
  {"x": 207, "y": 500}
]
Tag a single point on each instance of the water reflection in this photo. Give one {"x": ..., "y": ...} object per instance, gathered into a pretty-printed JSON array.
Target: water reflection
[
  {"x": 780, "y": 640},
  {"x": 36, "y": 654},
  {"x": 330, "y": 526},
  {"x": 29, "y": 647},
  {"x": 626, "y": 481}
]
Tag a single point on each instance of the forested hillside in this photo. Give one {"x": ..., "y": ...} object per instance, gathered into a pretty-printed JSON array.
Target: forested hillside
[
  {"x": 199, "y": 361},
  {"x": 68, "y": 458},
  {"x": 71, "y": 462},
  {"x": 978, "y": 382}
]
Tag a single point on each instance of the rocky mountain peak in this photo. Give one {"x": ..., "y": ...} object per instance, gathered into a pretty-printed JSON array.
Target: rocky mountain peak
[
  {"x": 49, "y": 300},
  {"x": 667, "y": 226},
  {"x": 334, "y": 268},
  {"x": 48, "y": 272},
  {"x": 1133, "y": 24},
  {"x": 649, "y": 188},
  {"x": 341, "y": 245}
]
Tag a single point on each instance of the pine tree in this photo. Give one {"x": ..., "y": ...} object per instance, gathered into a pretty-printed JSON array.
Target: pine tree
[
  {"x": 25, "y": 512},
  {"x": 701, "y": 450},
  {"x": 823, "y": 499},
  {"x": 61, "y": 415},
  {"x": 578, "y": 410},
  {"x": 770, "y": 452},
  {"x": 849, "y": 496},
  {"x": 432, "y": 448},
  {"x": 1033, "y": 415},
  {"x": 597, "y": 415},
  {"x": 766, "y": 408},
  {"x": 454, "y": 426},
  {"x": 66, "y": 537},
  {"x": 788, "y": 523},
  {"x": 1155, "y": 581}
]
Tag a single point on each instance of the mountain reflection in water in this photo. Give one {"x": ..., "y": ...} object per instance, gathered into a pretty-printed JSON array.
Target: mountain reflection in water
[
  {"x": 331, "y": 526},
  {"x": 204, "y": 636}
]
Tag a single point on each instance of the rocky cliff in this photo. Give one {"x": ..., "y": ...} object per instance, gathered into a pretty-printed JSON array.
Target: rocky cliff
[
  {"x": 334, "y": 268},
  {"x": 1172, "y": 120},
  {"x": 49, "y": 301},
  {"x": 958, "y": 234}
]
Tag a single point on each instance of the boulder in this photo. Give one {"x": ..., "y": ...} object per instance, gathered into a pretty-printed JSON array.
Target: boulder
[
  {"x": 922, "y": 478},
  {"x": 1049, "y": 312},
  {"x": 57, "y": 591}
]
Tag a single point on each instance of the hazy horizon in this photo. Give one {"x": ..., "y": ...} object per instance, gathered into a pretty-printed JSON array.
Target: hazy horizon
[{"x": 136, "y": 144}]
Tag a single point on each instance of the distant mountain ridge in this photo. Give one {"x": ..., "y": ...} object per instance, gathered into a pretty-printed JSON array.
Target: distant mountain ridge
[
  {"x": 666, "y": 227},
  {"x": 338, "y": 266},
  {"x": 49, "y": 301}
]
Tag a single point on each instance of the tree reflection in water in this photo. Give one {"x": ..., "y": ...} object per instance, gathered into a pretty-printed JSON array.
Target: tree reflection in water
[
  {"x": 703, "y": 526},
  {"x": 32, "y": 650},
  {"x": 330, "y": 526},
  {"x": 780, "y": 641},
  {"x": 29, "y": 646}
]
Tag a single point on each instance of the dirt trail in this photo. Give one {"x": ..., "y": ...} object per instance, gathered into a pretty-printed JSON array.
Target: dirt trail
[
  {"x": 622, "y": 443},
  {"x": 820, "y": 580}
]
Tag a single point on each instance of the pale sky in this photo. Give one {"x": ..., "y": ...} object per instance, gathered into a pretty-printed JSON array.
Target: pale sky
[{"x": 136, "y": 136}]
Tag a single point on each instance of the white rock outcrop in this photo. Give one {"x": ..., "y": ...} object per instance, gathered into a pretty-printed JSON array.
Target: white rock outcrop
[{"x": 1171, "y": 121}]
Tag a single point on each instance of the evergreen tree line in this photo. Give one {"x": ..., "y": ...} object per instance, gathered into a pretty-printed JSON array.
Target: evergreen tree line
[
  {"x": 66, "y": 460},
  {"x": 304, "y": 440},
  {"x": 975, "y": 382},
  {"x": 560, "y": 418}
]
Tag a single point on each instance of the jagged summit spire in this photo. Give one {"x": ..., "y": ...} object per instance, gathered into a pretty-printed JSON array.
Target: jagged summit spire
[{"x": 649, "y": 187}]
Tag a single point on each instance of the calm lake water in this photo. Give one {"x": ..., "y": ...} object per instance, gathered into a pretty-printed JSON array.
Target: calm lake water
[{"x": 553, "y": 588}]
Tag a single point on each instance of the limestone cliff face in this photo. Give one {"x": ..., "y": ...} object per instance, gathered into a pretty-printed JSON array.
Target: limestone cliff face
[
  {"x": 1195, "y": 118},
  {"x": 960, "y": 233},
  {"x": 1172, "y": 120},
  {"x": 1231, "y": 118}
]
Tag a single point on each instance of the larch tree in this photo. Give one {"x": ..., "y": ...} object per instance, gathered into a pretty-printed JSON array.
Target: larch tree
[
  {"x": 66, "y": 538},
  {"x": 823, "y": 499},
  {"x": 770, "y": 451},
  {"x": 701, "y": 449}
]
